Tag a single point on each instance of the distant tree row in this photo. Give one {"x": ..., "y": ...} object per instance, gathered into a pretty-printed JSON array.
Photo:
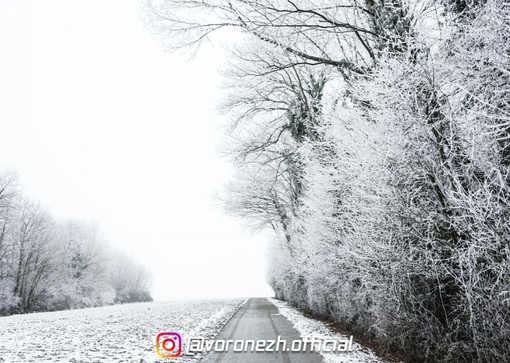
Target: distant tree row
[
  {"x": 46, "y": 264},
  {"x": 373, "y": 137}
]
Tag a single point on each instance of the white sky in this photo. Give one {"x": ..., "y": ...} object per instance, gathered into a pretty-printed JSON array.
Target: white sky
[{"x": 102, "y": 124}]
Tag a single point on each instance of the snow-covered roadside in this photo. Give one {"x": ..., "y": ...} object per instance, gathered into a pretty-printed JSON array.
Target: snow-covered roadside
[
  {"x": 122, "y": 333},
  {"x": 312, "y": 328}
]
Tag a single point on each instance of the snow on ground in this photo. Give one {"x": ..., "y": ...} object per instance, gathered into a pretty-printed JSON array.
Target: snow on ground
[
  {"x": 120, "y": 333},
  {"x": 312, "y": 328}
]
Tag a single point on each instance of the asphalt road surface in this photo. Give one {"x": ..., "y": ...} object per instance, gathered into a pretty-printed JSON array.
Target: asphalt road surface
[{"x": 259, "y": 319}]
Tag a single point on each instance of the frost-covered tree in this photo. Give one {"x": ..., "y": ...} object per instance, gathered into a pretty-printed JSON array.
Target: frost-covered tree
[
  {"x": 8, "y": 194},
  {"x": 83, "y": 277},
  {"x": 374, "y": 138},
  {"x": 47, "y": 264},
  {"x": 33, "y": 261},
  {"x": 130, "y": 280},
  {"x": 312, "y": 32},
  {"x": 273, "y": 106}
]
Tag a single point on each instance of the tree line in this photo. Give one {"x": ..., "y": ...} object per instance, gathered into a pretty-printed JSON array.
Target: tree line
[
  {"x": 373, "y": 137},
  {"x": 48, "y": 264}
]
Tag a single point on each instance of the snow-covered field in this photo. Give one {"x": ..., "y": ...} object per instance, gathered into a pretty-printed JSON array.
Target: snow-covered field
[
  {"x": 122, "y": 333},
  {"x": 312, "y": 328}
]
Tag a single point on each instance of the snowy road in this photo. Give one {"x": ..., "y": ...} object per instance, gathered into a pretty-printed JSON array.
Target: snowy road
[
  {"x": 127, "y": 333},
  {"x": 260, "y": 319}
]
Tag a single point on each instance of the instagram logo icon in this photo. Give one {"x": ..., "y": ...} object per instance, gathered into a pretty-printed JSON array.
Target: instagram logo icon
[{"x": 168, "y": 345}]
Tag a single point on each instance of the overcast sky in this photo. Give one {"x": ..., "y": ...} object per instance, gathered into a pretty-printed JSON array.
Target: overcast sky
[{"x": 100, "y": 123}]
